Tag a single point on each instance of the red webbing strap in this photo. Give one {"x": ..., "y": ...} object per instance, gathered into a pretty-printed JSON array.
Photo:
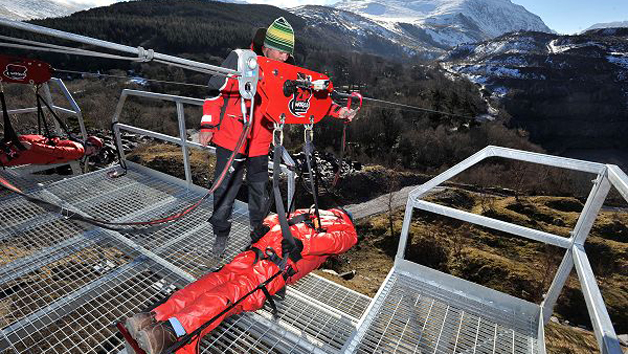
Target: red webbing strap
[{"x": 4, "y": 183}]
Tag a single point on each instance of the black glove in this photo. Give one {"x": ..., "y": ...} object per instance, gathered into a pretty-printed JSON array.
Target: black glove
[
  {"x": 259, "y": 232},
  {"x": 292, "y": 250}
]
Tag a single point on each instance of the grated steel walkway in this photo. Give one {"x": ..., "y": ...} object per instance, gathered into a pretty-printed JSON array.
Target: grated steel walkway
[
  {"x": 63, "y": 283},
  {"x": 419, "y": 310}
]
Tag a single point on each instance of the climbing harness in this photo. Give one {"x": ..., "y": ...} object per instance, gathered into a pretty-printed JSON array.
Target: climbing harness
[
  {"x": 281, "y": 212},
  {"x": 308, "y": 150}
]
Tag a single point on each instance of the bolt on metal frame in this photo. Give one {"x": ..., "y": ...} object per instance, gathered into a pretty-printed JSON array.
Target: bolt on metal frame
[{"x": 575, "y": 256}]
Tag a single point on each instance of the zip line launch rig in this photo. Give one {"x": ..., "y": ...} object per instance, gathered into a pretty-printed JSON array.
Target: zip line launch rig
[{"x": 76, "y": 260}]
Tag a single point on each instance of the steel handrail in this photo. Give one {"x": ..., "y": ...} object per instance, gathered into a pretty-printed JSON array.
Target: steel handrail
[
  {"x": 181, "y": 140},
  {"x": 575, "y": 256}
]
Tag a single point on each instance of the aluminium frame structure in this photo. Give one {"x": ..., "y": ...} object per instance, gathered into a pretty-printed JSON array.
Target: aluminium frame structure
[{"x": 574, "y": 257}]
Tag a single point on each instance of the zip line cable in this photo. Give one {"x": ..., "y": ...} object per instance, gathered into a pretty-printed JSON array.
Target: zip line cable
[
  {"x": 53, "y": 48},
  {"x": 68, "y": 50},
  {"x": 401, "y": 105}
]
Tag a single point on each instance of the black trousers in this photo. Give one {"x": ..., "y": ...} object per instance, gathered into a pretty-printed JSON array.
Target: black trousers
[{"x": 225, "y": 195}]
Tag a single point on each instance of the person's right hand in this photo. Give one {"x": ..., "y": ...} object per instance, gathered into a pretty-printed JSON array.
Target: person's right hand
[{"x": 205, "y": 137}]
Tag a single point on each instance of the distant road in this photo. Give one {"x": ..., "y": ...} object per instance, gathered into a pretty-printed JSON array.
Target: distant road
[{"x": 380, "y": 204}]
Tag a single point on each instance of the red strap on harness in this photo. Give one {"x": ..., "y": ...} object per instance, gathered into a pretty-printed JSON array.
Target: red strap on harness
[{"x": 7, "y": 185}]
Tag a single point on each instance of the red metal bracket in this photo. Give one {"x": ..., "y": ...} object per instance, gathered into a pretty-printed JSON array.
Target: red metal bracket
[{"x": 24, "y": 71}]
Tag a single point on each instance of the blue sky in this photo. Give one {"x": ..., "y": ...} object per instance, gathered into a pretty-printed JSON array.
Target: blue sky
[
  {"x": 570, "y": 16},
  {"x": 563, "y": 16}
]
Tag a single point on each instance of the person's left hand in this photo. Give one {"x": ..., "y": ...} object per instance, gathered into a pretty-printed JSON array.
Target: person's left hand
[
  {"x": 292, "y": 250},
  {"x": 347, "y": 113}
]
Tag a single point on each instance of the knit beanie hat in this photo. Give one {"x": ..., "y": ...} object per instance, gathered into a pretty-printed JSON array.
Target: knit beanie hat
[{"x": 280, "y": 36}]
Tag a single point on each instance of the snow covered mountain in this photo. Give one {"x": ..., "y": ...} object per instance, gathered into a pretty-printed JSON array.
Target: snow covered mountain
[
  {"x": 28, "y": 9},
  {"x": 360, "y": 33},
  {"x": 425, "y": 26},
  {"x": 565, "y": 90},
  {"x": 31, "y": 9},
  {"x": 608, "y": 25}
]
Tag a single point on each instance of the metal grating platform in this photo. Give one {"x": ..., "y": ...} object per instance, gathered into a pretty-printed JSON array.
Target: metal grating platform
[
  {"x": 63, "y": 283},
  {"x": 417, "y": 312}
]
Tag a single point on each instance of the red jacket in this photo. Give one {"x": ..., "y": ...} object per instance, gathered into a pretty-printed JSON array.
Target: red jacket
[
  {"x": 43, "y": 151},
  {"x": 200, "y": 301},
  {"x": 222, "y": 115}
]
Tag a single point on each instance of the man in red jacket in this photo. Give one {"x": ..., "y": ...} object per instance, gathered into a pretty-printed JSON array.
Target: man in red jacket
[
  {"x": 191, "y": 307},
  {"x": 222, "y": 123}
]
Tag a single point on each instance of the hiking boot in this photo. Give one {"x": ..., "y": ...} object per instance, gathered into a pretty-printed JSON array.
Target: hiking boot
[
  {"x": 220, "y": 245},
  {"x": 138, "y": 322},
  {"x": 156, "y": 339}
]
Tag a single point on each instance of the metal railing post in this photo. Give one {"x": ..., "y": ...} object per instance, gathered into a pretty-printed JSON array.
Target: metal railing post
[
  {"x": 591, "y": 209},
  {"x": 579, "y": 235},
  {"x": 566, "y": 265},
  {"x": 184, "y": 137},
  {"x": 602, "y": 325},
  {"x": 114, "y": 124},
  {"x": 73, "y": 104},
  {"x": 48, "y": 98},
  {"x": 405, "y": 230}
]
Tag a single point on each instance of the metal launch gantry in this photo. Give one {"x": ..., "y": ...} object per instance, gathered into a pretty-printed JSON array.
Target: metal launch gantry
[{"x": 63, "y": 283}]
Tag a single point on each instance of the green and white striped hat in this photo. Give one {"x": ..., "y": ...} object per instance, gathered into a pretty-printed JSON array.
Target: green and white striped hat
[{"x": 280, "y": 36}]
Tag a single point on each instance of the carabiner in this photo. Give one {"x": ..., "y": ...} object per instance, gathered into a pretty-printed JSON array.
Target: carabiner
[{"x": 278, "y": 131}]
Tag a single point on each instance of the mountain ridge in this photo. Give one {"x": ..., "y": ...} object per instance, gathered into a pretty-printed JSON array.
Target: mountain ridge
[
  {"x": 423, "y": 27},
  {"x": 614, "y": 24},
  {"x": 29, "y": 9},
  {"x": 568, "y": 91}
]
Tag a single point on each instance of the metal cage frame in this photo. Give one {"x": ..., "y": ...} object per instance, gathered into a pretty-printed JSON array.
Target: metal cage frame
[{"x": 574, "y": 257}]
